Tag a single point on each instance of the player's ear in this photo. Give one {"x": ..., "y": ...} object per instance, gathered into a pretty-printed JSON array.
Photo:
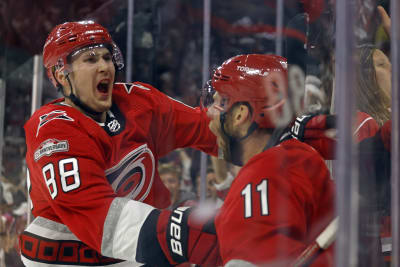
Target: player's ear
[
  {"x": 61, "y": 78},
  {"x": 242, "y": 115}
]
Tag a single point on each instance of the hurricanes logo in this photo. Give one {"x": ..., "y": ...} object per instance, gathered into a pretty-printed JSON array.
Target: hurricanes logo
[{"x": 133, "y": 176}]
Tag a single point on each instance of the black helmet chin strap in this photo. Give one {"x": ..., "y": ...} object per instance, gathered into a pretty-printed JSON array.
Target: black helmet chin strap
[{"x": 78, "y": 102}]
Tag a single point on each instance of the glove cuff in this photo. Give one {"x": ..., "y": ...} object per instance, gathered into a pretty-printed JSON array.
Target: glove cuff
[{"x": 149, "y": 250}]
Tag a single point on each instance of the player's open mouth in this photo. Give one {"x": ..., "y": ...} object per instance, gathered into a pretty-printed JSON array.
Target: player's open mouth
[{"x": 102, "y": 86}]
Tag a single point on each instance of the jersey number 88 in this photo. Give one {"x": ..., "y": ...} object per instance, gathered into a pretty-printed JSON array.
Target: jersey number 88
[{"x": 68, "y": 170}]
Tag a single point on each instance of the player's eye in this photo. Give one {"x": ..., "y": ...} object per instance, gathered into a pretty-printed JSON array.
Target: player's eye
[
  {"x": 223, "y": 102},
  {"x": 107, "y": 57},
  {"x": 90, "y": 59}
]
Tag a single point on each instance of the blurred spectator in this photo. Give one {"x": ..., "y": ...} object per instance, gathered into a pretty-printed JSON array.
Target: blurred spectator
[
  {"x": 373, "y": 94},
  {"x": 373, "y": 88},
  {"x": 314, "y": 97},
  {"x": 12, "y": 222},
  {"x": 180, "y": 158},
  {"x": 13, "y": 205},
  {"x": 211, "y": 193},
  {"x": 171, "y": 176}
]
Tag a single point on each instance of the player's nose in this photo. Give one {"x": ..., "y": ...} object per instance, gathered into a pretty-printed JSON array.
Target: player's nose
[
  {"x": 103, "y": 65},
  {"x": 212, "y": 112}
]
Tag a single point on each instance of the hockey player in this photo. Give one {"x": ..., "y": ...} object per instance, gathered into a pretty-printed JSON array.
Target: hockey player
[
  {"x": 92, "y": 159},
  {"x": 283, "y": 195}
]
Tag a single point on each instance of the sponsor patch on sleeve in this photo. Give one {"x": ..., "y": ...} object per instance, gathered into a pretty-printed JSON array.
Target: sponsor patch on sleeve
[{"x": 49, "y": 147}]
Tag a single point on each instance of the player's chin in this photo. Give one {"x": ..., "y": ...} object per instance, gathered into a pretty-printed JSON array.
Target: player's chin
[
  {"x": 103, "y": 106},
  {"x": 214, "y": 128}
]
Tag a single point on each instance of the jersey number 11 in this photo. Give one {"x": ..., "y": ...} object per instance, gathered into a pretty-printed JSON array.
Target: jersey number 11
[{"x": 262, "y": 189}]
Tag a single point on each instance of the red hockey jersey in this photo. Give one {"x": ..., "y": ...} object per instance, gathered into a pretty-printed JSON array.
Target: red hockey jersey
[
  {"x": 277, "y": 205},
  {"x": 84, "y": 175}
]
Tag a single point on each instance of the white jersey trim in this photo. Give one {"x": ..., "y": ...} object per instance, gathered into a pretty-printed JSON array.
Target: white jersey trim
[
  {"x": 50, "y": 229},
  {"x": 239, "y": 263},
  {"x": 121, "y": 231},
  {"x": 361, "y": 125}
]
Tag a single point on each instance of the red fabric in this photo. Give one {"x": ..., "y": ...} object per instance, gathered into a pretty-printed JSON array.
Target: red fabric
[
  {"x": 316, "y": 133},
  {"x": 366, "y": 126},
  {"x": 222, "y": 193},
  {"x": 299, "y": 194},
  {"x": 314, "y": 8},
  {"x": 386, "y": 134},
  {"x": 155, "y": 125}
]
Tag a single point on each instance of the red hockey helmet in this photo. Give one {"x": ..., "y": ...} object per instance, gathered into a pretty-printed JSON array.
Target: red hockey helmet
[
  {"x": 260, "y": 80},
  {"x": 70, "y": 37}
]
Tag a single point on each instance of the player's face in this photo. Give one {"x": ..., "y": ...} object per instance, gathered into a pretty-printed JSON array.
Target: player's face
[
  {"x": 214, "y": 113},
  {"x": 92, "y": 78},
  {"x": 383, "y": 70}
]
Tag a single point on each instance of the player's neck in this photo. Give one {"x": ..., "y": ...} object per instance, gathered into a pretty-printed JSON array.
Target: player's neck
[
  {"x": 254, "y": 145},
  {"x": 98, "y": 117}
]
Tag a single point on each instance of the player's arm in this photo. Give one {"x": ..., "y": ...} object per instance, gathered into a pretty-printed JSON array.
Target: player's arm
[
  {"x": 224, "y": 178},
  {"x": 319, "y": 131},
  {"x": 181, "y": 125},
  {"x": 76, "y": 188},
  {"x": 72, "y": 181}
]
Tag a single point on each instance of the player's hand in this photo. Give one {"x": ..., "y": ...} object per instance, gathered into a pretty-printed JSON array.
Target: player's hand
[
  {"x": 313, "y": 126},
  {"x": 182, "y": 237},
  {"x": 318, "y": 131},
  {"x": 386, "y": 22}
]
